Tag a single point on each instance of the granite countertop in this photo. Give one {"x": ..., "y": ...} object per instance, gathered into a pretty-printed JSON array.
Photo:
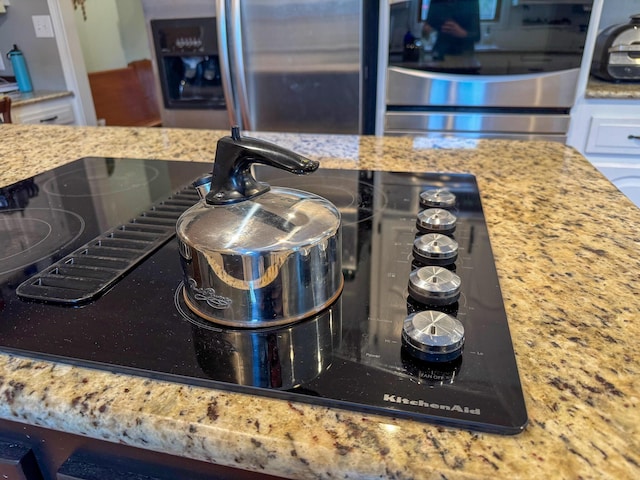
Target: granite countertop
[
  {"x": 597, "y": 88},
  {"x": 567, "y": 249},
  {"x": 20, "y": 99}
]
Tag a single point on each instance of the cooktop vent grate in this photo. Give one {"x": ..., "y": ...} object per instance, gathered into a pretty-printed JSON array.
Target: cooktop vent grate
[{"x": 92, "y": 269}]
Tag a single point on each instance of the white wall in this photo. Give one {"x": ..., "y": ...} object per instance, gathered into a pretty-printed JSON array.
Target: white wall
[
  {"x": 99, "y": 36},
  {"x": 113, "y": 34},
  {"x": 133, "y": 33},
  {"x": 616, "y": 12},
  {"x": 41, "y": 54}
]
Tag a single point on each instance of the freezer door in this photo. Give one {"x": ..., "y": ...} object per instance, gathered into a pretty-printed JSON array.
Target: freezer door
[{"x": 296, "y": 65}]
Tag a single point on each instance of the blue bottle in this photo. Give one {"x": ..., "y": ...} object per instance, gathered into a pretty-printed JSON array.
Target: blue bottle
[{"x": 20, "y": 69}]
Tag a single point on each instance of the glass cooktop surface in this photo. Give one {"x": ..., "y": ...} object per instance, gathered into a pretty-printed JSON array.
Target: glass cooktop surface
[{"x": 90, "y": 275}]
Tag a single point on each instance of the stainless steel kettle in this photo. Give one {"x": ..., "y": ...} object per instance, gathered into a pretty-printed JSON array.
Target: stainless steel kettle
[{"x": 255, "y": 256}]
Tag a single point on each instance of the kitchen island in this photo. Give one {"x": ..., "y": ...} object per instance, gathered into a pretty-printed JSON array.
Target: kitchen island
[{"x": 567, "y": 249}]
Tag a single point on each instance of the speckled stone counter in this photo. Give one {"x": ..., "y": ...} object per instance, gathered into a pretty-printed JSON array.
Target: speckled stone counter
[
  {"x": 19, "y": 99},
  {"x": 597, "y": 88},
  {"x": 567, "y": 248}
]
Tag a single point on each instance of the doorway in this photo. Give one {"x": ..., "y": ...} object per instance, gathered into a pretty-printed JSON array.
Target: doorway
[{"x": 114, "y": 44}]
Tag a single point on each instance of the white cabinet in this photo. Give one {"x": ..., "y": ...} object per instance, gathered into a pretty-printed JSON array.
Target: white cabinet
[
  {"x": 606, "y": 128},
  {"x": 613, "y": 135},
  {"x": 605, "y": 120},
  {"x": 610, "y": 139},
  {"x": 57, "y": 111},
  {"x": 625, "y": 176}
]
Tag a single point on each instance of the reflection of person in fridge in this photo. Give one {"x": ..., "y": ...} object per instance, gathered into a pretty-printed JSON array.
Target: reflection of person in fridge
[{"x": 457, "y": 23}]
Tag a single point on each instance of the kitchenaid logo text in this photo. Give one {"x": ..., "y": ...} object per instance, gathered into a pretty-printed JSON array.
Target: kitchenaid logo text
[{"x": 436, "y": 406}]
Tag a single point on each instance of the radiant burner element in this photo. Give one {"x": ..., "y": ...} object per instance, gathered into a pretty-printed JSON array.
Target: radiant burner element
[
  {"x": 280, "y": 358},
  {"x": 352, "y": 197},
  {"x": 30, "y": 236},
  {"x": 104, "y": 179}
]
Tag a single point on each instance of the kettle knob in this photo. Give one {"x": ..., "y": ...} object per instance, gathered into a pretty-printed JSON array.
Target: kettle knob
[{"x": 232, "y": 180}]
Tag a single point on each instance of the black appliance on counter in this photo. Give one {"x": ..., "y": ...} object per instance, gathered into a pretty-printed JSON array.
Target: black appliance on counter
[
  {"x": 90, "y": 275},
  {"x": 616, "y": 55}
]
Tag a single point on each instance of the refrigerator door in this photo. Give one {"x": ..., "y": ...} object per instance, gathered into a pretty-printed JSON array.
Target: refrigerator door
[
  {"x": 200, "y": 14},
  {"x": 296, "y": 65},
  {"x": 222, "y": 31}
]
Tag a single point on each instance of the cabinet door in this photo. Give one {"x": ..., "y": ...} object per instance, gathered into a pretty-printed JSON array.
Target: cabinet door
[
  {"x": 50, "y": 112},
  {"x": 614, "y": 136}
]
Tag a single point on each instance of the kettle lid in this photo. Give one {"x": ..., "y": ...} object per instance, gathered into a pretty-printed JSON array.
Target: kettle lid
[
  {"x": 238, "y": 214},
  {"x": 283, "y": 219}
]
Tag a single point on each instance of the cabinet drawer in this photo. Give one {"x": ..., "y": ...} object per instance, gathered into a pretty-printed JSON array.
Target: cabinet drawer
[
  {"x": 614, "y": 135},
  {"x": 58, "y": 113}
]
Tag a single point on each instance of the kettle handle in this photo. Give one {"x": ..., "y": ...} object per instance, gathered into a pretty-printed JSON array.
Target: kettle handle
[{"x": 232, "y": 180}]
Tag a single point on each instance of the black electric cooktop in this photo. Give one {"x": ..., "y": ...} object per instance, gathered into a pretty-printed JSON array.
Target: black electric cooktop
[{"x": 90, "y": 275}]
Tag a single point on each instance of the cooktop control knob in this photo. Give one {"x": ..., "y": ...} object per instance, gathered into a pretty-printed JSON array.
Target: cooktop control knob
[
  {"x": 433, "y": 336},
  {"x": 437, "y": 198},
  {"x": 436, "y": 220},
  {"x": 435, "y": 249},
  {"x": 434, "y": 286}
]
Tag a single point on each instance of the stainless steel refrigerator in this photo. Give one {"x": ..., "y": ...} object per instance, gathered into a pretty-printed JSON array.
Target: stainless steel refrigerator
[{"x": 266, "y": 65}]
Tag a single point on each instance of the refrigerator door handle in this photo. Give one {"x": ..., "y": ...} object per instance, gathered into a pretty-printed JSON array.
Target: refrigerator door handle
[
  {"x": 225, "y": 65},
  {"x": 237, "y": 64}
]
